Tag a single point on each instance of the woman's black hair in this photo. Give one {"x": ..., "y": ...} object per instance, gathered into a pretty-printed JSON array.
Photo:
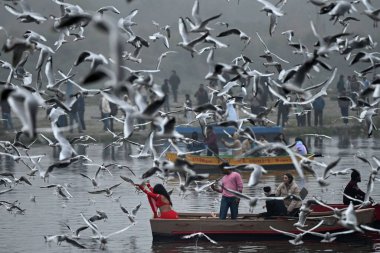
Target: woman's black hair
[
  {"x": 290, "y": 177},
  {"x": 160, "y": 189}
]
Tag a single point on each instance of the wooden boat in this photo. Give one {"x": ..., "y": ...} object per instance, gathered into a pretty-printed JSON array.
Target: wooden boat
[
  {"x": 269, "y": 133},
  {"x": 246, "y": 226},
  {"x": 319, "y": 208},
  {"x": 211, "y": 164}
]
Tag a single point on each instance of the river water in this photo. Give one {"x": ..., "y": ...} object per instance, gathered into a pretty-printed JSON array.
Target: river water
[{"x": 50, "y": 212}]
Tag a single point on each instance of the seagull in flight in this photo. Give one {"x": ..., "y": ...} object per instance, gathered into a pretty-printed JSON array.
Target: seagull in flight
[
  {"x": 297, "y": 237},
  {"x": 99, "y": 236},
  {"x": 186, "y": 43},
  {"x": 198, "y": 235}
]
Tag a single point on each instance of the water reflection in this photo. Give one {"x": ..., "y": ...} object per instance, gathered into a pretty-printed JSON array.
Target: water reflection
[
  {"x": 358, "y": 245},
  {"x": 344, "y": 139}
]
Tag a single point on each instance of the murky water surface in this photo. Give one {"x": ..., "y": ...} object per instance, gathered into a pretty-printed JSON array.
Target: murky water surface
[{"x": 50, "y": 212}]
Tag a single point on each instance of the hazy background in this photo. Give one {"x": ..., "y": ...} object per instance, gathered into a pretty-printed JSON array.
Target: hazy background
[{"x": 246, "y": 16}]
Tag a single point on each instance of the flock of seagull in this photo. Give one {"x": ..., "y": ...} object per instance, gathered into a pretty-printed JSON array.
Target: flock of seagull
[{"x": 124, "y": 87}]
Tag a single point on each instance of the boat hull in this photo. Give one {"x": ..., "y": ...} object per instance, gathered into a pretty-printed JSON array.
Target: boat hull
[{"x": 246, "y": 226}]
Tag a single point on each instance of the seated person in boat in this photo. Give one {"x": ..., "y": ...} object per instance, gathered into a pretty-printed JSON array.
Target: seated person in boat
[
  {"x": 247, "y": 145},
  {"x": 352, "y": 189},
  {"x": 235, "y": 145},
  {"x": 233, "y": 181},
  {"x": 286, "y": 188},
  {"x": 300, "y": 146},
  {"x": 161, "y": 198},
  {"x": 274, "y": 207},
  {"x": 280, "y": 139},
  {"x": 211, "y": 140},
  {"x": 195, "y": 145}
]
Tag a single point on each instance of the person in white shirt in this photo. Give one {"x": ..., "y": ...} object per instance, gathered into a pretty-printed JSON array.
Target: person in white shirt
[{"x": 106, "y": 112}]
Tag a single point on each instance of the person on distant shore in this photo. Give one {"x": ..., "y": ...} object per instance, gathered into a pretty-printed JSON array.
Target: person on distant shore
[
  {"x": 105, "y": 112},
  {"x": 174, "y": 83},
  {"x": 161, "y": 198},
  {"x": 286, "y": 188},
  {"x": 165, "y": 90},
  {"x": 352, "y": 189},
  {"x": 340, "y": 87},
  {"x": 81, "y": 108},
  {"x": 201, "y": 95},
  {"x": 113, "y": 113},
  {"x": 282, "y": 114},
  {"x": 189, "y": 115},
  {"x": 318, "y": 106},
  {"x": 235, "y": 145},
  {"x": 211, "y": 140},
  {"x": 74, "y": 116},
  {"x": 233, "y": 181},
  {"x": 6, "y": 115},
  {"x": 344, "y": 105}
]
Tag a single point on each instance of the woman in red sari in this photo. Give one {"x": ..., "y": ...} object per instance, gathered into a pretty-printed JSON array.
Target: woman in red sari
[{"x": 162, "y": 200}]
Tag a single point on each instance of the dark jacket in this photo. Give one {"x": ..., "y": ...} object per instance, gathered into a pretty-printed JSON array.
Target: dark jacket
[
  {"x": 174, "y": 81},
  {"x": 212, "y": 142},
  {"x": 352, "y": 190}
]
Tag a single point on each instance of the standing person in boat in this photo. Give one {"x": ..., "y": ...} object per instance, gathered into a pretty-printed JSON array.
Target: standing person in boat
[
  {"x": 211, "y": 140},
  {"x": 235, "y": 145},
  {"x": 233, "y": 181},
  {"x": 352, "y": 189},
  {"x": 161, "y": 198},
  {"x": 300, "y": 146},
  {"x": 286, "y": 188}
]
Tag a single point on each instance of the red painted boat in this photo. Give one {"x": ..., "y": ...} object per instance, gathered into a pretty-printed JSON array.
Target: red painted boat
[{"x": 248, "y": 226}]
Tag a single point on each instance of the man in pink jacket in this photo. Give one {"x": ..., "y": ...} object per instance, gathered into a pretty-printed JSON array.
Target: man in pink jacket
[{"x": 233, "y": 181}]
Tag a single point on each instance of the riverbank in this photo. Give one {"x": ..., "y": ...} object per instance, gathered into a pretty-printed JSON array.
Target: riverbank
[{"x": 333, "y": 124}]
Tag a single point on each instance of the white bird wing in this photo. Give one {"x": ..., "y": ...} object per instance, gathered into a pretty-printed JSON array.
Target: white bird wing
[
  {"x": 208, "y": 238},
  {"x": 237, "y": 194},
  {"x": 346, "y": 232},
  {"x": 90, "y": 225},
  {"x": 255, "y": 176},
  {"x": 195, "y": 13},
  {"x": 368, "y": 228},
  {"x": 283, "y": 232},
  {"x": 47, "y": 139},
  {"x": 120, "y": 231},
  {"x": 273, "y": 8},
  {"x": 183, "y": 30},
  {"x": 191, "y": 235}
]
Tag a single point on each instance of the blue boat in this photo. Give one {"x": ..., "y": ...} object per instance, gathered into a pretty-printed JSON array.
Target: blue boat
[{"x": 269, "y": 133}]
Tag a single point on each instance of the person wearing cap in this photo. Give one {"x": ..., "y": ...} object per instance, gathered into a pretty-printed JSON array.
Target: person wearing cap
[
  {"x": 274, "y": 207},
  {"x": 352, "y": 189},
  {"x": 231, "y": 180}
]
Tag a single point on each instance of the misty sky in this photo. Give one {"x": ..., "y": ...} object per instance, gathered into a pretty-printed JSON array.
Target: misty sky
[{"x": 246, "y": 16}]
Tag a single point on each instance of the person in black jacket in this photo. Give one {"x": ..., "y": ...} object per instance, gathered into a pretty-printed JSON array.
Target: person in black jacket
[{"x": 352, "y": 189}]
